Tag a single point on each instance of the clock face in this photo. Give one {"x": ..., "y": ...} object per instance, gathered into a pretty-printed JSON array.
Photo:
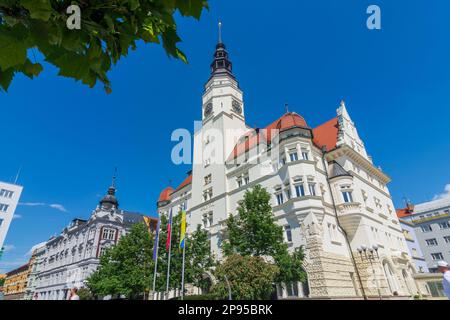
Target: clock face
[
  {"x": 208, "y": 109},
  {"x": 237, "y": 107}
]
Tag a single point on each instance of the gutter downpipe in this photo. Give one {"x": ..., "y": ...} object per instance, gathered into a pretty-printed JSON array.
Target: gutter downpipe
[{"x": 339, "y": 224}]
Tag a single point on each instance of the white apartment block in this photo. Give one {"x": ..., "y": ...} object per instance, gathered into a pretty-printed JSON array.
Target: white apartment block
[{"x": 9, "y": 198}]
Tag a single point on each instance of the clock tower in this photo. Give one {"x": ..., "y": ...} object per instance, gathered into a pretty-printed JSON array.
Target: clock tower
[
  {"x": 223, "y": 123},
  {"x": 222, "y": 93}
]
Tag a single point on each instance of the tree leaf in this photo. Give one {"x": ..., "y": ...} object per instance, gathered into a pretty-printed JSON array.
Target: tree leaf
[
  {"x": 6, "y": 78},
  {"x": 39, "y": 9},
  {"x": 12, "y": 52}
]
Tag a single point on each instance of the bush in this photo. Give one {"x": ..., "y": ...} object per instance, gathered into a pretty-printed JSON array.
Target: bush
[
  {"x": 198, "y": 297},
  {"x": 250, "y": 278},
  {"x": 85, "y": 294}
]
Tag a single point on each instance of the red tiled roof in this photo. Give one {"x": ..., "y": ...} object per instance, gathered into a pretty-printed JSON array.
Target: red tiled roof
[
  {"x": 186, "y": 182},
  {"x": 257, "y": 136},
  {"x": 401, "y": 213},
  {"x": 326, "y": 134},
  {"x": 287, "y": 121},
  {"x": 165, "y": 194}
]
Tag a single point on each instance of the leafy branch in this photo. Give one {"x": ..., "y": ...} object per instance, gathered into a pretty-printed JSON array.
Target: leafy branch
[{"x": 109, "y": 29}]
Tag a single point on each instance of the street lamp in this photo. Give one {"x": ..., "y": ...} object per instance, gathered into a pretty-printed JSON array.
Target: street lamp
[{"x": 370, "y": 254}]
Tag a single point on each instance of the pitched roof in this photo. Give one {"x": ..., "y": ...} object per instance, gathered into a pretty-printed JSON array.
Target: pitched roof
[
  {"x": 326, "y": 134},
  {"x": 401, "y": 213},
  {"x": 336, "y": 170},
  {"x": 257, "y": 136},
  {"x": 165, "y": 194},
  {"x": 185, "y": 183}
]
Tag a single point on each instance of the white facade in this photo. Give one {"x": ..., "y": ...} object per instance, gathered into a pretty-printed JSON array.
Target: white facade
[
  {"x": 9, "y": 198},
  {"x": 67, "y": 260},
  {"x": 326, "y": 192}
]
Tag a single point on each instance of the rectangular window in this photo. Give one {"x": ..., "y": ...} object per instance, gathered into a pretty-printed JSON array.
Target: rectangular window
[
  {"x": 300, "y": 190},
  {"x": 109, "y": 234},
  {"x": 246, "y": 180},
  {"x": 208, "y": 179},
  {"x": 444, "y": 225},
  {"x": 426, "y": 228},
  {"x": 6, "y": 193},
  {"x": 437, "y": 256},
  {"x": 347, "y": 195},
  {"x": 4, "y": 207},
  {"x": 293, "y": 156},
  {"x": 312, "y": 189},
  {"x": 431, "y": 242},
  {"x": 239, "y": 183},
  {"x": 283, "y": 161},
  {"x": 305, "y": 154},
  {"x": 1, "y": 222},
  {"x": 280, "y": 199},
  {"x": 447, "y": 239},
  {"x": 288, "y": 231}
]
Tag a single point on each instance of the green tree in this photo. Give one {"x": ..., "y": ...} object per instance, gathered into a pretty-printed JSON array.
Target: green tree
[
  {"x": 85, "y": 294},
  {"x": 250, "y": 278},
  {"x": 253, "y": 232},
  {"x": 127, "y": 268},
  {"x": 109, "y": 29}
]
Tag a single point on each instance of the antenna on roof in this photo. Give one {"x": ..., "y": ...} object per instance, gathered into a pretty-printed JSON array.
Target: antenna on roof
[
  {"x": 18, "y": 174},
  {"x": 114, "y": 178},
  {"x": 286, "y": 107}
]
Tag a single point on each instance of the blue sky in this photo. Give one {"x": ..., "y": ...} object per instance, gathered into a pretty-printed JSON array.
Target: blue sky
[{"x": 68, "y": 138}]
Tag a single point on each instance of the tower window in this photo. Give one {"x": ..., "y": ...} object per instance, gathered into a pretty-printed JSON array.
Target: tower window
[
  {"x": 280, "y": 199},
  {"x": 300, "y": 190},
  {"x": 347, "y": 195},
  {"x": 312, "y": 189},
  {"x": 305, "y": 154},
  {"x": 293, "y": 156}
]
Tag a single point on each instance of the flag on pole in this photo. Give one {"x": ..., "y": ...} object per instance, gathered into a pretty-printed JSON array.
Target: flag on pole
[
  {"x": 183, "y": 230},
  {"x": 156, "y": 244},
  {"x": 148, "y": 222},
  {"x": 169, "y": 231}
]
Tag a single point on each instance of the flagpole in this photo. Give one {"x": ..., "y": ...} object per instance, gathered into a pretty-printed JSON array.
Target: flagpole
[
  {"x": 168, "y": 259},
  {"x": 156, "y": 258},
  {"x": 182, "y": 272}
]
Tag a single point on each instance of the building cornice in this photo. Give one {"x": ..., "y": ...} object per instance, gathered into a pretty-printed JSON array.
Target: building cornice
[{"x": 345, "y": 150}]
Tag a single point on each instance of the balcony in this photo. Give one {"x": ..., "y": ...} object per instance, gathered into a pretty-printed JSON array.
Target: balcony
[{"x": 349, "y": 216}]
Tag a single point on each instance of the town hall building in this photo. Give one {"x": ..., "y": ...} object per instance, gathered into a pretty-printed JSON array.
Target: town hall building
[{"x": 327, "y": 193}]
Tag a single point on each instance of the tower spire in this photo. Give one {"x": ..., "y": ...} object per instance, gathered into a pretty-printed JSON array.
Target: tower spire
[
  {"x": 113, "y": 184},
  {"x": 221, "y": 63},
  {"x": 220, "y": 31}
]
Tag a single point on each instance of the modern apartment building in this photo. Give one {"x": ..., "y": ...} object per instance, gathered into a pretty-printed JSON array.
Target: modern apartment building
[
  {"x": 431, "y": 222},
  {"x": 9, "y": 198}
]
